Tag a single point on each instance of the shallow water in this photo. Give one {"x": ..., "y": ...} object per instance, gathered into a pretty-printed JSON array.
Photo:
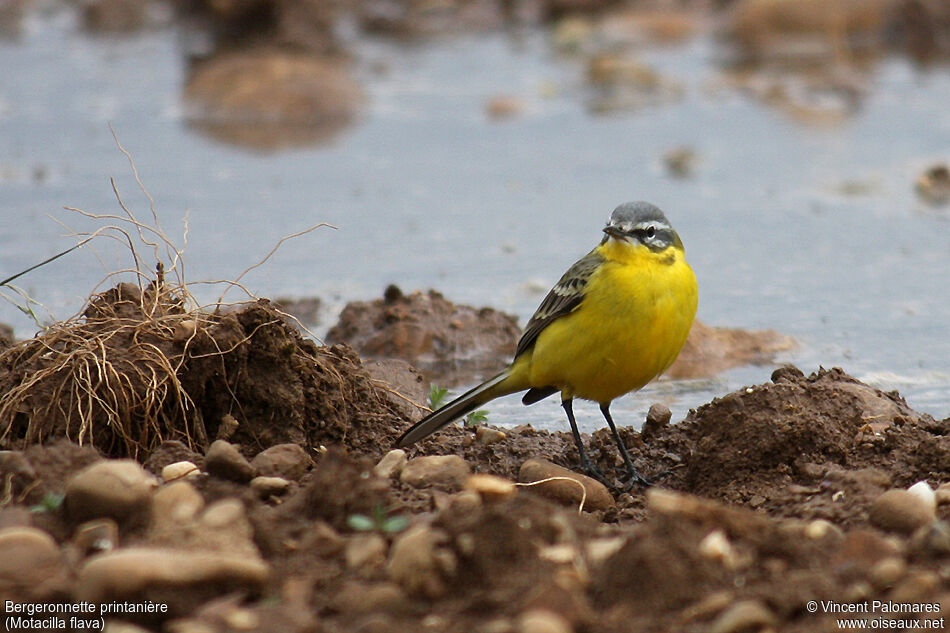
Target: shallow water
[{"x": 427, "y": 191}]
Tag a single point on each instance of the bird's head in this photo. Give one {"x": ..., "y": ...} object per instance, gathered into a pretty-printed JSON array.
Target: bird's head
[{"x": 641, "y": 224}]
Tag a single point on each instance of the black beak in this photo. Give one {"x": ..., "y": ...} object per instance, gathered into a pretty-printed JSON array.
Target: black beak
[{"x": 614, "y": 231}]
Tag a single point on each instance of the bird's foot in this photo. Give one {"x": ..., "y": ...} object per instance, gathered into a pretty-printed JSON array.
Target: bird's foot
[{"x": 634, "y": 478}]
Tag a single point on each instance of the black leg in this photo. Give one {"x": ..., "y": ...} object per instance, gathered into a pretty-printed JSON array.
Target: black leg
[
  {"x": 633, "y": 476},
  {"x": 586, "y": 465}
]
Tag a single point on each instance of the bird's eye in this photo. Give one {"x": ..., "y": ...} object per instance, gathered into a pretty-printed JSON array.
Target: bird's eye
[{"x": 651, "y": 232}]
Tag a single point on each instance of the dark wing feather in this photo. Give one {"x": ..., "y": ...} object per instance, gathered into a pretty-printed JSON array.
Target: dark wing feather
[{"x": 566, "y": 295}]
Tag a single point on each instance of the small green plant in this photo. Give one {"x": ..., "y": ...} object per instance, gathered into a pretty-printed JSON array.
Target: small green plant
[
  {"x": 51, "y": 502},
  {"x": 437, "y": 396},
  {"x": 377, "y": 522},
  {"x": 476, "y": 417}
]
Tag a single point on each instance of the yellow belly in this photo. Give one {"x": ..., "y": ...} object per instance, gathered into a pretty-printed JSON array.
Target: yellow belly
[{"x": 631, "y": 326}]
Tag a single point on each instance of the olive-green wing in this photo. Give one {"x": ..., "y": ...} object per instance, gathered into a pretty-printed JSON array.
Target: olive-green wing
[{"x": 565, "y": 297}]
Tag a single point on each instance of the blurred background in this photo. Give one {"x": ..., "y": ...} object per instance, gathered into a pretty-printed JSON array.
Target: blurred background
[{"x": 477, "y": 146}]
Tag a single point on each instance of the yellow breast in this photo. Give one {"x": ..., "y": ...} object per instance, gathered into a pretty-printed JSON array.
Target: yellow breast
[{"x": 636, "y": 314}]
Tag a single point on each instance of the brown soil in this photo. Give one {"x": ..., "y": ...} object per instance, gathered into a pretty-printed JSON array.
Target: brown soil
[{"x": 726, "y": 542}]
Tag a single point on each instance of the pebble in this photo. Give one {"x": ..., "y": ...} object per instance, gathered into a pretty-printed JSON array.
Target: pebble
[
  {"x": 289, "y": 461},
  {"x": 358, "y": 598},
  {"x": 916, "y": 587},
  {"x": 176, "y": 503},
  {"x": 745, "y": 615},
  {"x": 391, "y": 464},
  {"x": 110, "y": 488},
  {"x": 658, "y": 418},
  {"x": 28, "y": 558},
  {"x": 716, "y": 546},
  {"x": 180, "y": 470},
  {"x": 900, "y": 511},
  {"x": 224, "y": 460},
  {"x": 491, "y": 487},
  {"x": 888, "y": 571},
  {"x": 565, "y": 492},
  {"x": 486, "y": 436},
  {"x": 127, "y": 572},
  {"x": 269, "y": 486},
  {"x": 925, "y": 493},
  {"x": 365, "y": 551},
  {"x": 447, "y": 470},
  {"x": 600, "y": 549},
  {"x": 820, "y": 528},
  {"x": 542, "y": 621},
  {"x": 415, "y": 563}
]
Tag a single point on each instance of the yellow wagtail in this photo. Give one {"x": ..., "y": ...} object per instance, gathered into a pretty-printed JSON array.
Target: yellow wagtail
[{"x": 615, "y": 321}]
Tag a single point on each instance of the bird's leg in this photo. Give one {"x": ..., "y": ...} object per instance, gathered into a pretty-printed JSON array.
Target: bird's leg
[
  {"x": 633, "y": 476},
  {"x": 586, "y": 465}
]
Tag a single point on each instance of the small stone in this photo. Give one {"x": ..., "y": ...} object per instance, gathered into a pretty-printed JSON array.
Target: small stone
[
  {"x": 227, "y": 427},
  {"x": 491, "y": 487},
  {"x": 932, "y": 541},
  {"x": 503, "y": 107},
  {"x": 486, "y": 436},
  {"x": 224, "y": 460},
  {"x": 658, "y": 418},
  {"x": 820, "y": 528},
  {"x": 925, "y": 493},
  {"x": 365, "y": 551},
  {"x": 745, "y": 615},
  {"x": 942, "y": 494},
  {"x": 916, "y": 587},
  {"x": 180, "y": 470},
  {"x": 449, "y": 471},
  {"x": 900, "y": 511},
  {"x": 110, "y": 488},
  {"x": 358, "y": 598},
  {"x": 289, "y": 461},
  {"x": 269, "y": 486},
  {"x": 127, "y": 572},
  {"x": 716, "y": 546},
  {"x": 542, "y": 621},
  {"x": 98, "y": 535},
  {"x": 391, "y": 464},
  {"x": 176, "y": 503},
  {"x": 414, "y": 563},
  {"x": 184, "y": 330},
  {"x": 886, "y": 572},
  {"x": 29, "y": 561},
  {"x": 570, "y": 487}
]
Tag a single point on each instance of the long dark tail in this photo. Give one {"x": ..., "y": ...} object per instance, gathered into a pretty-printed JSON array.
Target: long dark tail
[{"x": 466, "y": 403}]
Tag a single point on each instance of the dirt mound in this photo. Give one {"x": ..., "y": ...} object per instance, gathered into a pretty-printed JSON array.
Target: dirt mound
[
  {"x": 449, "y": 342},
  {"x": 135, "y": 371}
]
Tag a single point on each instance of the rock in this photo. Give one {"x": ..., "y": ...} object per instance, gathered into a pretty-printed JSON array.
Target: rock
[
  {"x": 109, "y": 488},
  {"x": 900, "y": 511},
  {"x": 127, "y": 573},
  {"x": 180, "y": 470},
  {"x": 716, "y": 546},
  {"x": 30, "y": 563},
  {"x": 224, "y": 460},
  {"x": 491, "y": 487},
  {"x": 925, "y": 493},
  {"x": 600, "y": 549},
  {"x": 365, "y": 551},
  {"x": 504, "y": 106},
  {"x": 933, "y": 185},
  {"x": 485, "y": 435},
  {"x": 745, "y": 615},
  {"x": 658, "y": 418},
  {"x": 570, "y": 492},
  {"x": 417, "y": 562},
  {"x": 942, "y": 494},
  {"x": 449, "y": 471},
  {"x": 176, "y": 504},
  {"x": 289, "y": 461},
  {"x": 916, "y": 587},
  {"x": 391, "y": 464},
  {"x": 542, "y": 621},
  {"x": 269, "y": 486},
  {"x": 820, "y": 528},
  {"x": 710, "y": 350},
  {"x": 888, "y": 571}
]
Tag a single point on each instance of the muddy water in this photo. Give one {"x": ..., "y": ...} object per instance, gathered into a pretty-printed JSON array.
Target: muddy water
[{"x": 812, "y": 230}]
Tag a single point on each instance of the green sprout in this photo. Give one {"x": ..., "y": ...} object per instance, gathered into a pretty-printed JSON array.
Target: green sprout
[
  {"x": 51, "y": 502},
  {"x": 475, "y": 418},
  {"x": 437, "y": 396},
  {"x": 378, "y": 522}
]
